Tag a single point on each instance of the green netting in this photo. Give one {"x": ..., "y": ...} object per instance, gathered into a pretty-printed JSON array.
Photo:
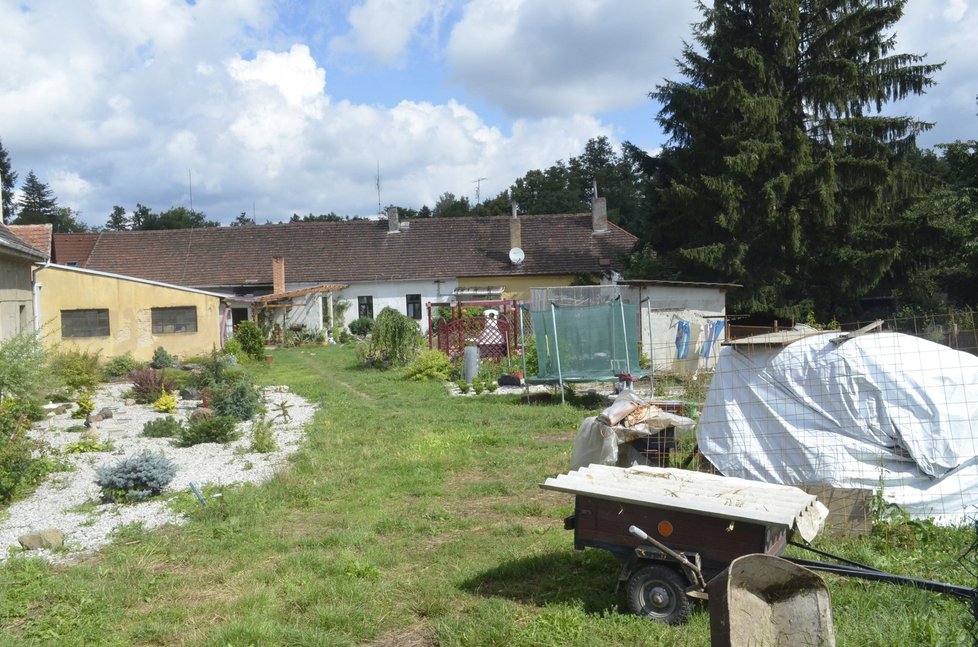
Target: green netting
[{"x": 594, "y": 343}]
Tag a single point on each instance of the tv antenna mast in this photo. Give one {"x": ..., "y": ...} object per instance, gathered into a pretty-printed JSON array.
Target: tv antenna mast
[
  {"x": 380, "y": 209},
  {"x": 478, "y": 185}
]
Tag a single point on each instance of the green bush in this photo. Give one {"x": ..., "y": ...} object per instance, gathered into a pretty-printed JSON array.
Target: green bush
[
  {"x": 86, "y": 405},
  {"x": 395, "y": 341},
  {"x": 135, "y": 478},
  {"x": 161, "y": 358},
  {"x": 361, "y": 327},
  {"x": 429, "y": 365},
  {"x": 119, "y": 366},
  {"x": 77, "y": 370},
  {"x": 88, "y": 445},
  {"x": 232, "y": 348},
  {"x": 23, "y": 367},
  {"x": 219, "y": 429},
  {"x": 251, "y": 338},
  {"x": 239, "y": 400},
  {"x": 148, "y": 384},
  {"x": 167, "y": 427},
  {"x": 262, "y": 437},
  {"x": 22, "y": 463}
]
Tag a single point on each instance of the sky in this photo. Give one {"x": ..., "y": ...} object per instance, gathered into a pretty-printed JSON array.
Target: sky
[{"x": 275, "y": 107}]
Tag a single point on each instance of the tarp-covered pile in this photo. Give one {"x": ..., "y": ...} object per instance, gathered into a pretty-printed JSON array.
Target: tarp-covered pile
[
  {"x": 628, "y": 418},
  {"x": 884, "y": 411}
]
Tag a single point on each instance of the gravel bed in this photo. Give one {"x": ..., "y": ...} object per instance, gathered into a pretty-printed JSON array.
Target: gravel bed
[{"x": 87, "y": 529}]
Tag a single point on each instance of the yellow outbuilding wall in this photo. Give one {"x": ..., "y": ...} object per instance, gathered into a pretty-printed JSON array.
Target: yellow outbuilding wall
[{"x": 130, "y": 303}]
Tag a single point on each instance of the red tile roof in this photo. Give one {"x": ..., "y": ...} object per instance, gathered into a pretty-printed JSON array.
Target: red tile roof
[
  {"x": 73, "y": 249},
  {"x": 10, "y": 243},
  {"x": 360, "y": 251},
  {"x": 37, "y": 236}
]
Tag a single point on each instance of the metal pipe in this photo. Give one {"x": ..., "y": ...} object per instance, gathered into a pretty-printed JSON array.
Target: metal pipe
[{"x": 560, "y": 375}]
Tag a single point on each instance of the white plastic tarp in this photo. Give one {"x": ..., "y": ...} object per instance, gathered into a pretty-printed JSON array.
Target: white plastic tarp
[{"x": 882, "y": 411}]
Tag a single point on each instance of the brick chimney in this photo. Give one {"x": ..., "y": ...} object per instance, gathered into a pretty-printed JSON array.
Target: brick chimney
[
  {"x": 515, "y": 229},
  {"x": 393, "y": 222},
  {"x": 599, "y": 211},
  {"x": 278, "y": 274}
]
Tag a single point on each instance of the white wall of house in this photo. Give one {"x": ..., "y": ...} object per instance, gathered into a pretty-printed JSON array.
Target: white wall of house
[
  {"x": 665, "y": 308},
  {"x": 393, "y": 294}
]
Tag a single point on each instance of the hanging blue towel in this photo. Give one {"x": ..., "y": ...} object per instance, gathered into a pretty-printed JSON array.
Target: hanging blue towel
[
  {"x": 682, "y": 339},
  {"x": 713, "y": 331}
]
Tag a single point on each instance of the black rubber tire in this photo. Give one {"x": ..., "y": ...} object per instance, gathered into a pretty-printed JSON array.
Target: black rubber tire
[{"x": 658, "y": 592}]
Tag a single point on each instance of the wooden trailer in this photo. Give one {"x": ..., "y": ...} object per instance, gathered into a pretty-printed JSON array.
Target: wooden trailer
[{"x": 674, "y": 530}]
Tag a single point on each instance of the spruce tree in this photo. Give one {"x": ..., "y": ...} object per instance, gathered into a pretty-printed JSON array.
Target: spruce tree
[
  {"x": 781, "y": 168},
  {"x": 37, "y": 204},
  {"x": 9, "y": 180}
]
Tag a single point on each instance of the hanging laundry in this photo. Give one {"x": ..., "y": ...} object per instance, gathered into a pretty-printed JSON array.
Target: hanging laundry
[
  {"x": 713, "y": 331},
  {"x": 682, "y": 339}
]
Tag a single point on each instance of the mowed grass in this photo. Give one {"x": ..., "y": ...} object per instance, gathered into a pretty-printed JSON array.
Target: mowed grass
[{"x": 410, "y": 518}]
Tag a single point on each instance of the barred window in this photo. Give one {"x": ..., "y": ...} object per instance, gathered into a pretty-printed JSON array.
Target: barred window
[
  {"x": 85, "y": 323},
  {"x": 174, "y": 320}
]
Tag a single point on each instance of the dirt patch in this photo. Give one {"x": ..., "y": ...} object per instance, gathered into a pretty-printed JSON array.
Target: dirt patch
[
  {"x": 418, "y": 635},
  {"x": 360, "y": 394}
]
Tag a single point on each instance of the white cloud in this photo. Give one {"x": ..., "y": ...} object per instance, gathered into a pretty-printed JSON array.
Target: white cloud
[
  {"x": 540, "y": 58},
  {"x": 69, "y": 187},
  {"x": 381, "y": 29},
  {"x": 955, "y": 10}
]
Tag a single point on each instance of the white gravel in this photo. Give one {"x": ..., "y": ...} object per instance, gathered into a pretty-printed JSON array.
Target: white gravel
[{"x": 51, "y": 505}]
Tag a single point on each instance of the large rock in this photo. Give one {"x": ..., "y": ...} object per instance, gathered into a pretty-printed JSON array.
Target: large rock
[
  {"x": 51, "y": 539},
  {"x": 201, "y": 413},
  {"x": 190, "y": 393},
  {"x": 94, "y": 418}
]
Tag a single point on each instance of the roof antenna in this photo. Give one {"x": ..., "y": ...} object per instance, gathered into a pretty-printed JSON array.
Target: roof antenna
[
  {"x": 380, "y": 209},
  {"x": 478, "y": 185}
]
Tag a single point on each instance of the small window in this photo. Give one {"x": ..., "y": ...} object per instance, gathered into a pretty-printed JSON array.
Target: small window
[
  {"x": 85, "y": 323},
  {"x": 174, "y": 320},
  {"x": 414, "y": 306},
  {"x": 365, "y": 307}
]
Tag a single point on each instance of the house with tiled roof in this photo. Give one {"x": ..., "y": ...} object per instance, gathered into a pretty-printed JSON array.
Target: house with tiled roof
[
  {"x": 17, "y": 293},
  {"x": 404, "y": 265},
  {"x": 72, "y": 249}
]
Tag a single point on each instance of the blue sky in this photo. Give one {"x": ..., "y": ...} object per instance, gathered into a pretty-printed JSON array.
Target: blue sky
[{"x": 276, "y": 107}]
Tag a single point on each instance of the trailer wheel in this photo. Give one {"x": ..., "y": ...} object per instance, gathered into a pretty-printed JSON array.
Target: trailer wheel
[{"x": 658, "y": 592}]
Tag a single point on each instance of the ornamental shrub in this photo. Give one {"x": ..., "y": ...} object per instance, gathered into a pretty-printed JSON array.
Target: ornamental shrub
[
  {"x": 361, "y": 327},
  {"x": 162, "y": 427},
  {"x": 135, "y": 478},
  {"x": 251, "y": 338},
  {"x": 119, "y": 366},
  {"x": 161, "y": 358},
  {"x": 23, "y": 366},
  {"x": 219, "y": 429},
  {"x": 21, "y": 461},
  {"x": 232, "y": 348},
  {"x": 429, "y": 365},
  {"x": 396, "y": 339},
  {"x": 262, "y": 436},
  {"x": 166, "y": 403},
  {"x": 148, "y": 384},
  {"x": 86, "y": 405},
  {"x": 239, "y": 400},
  {"x": 77, "y": 370}
]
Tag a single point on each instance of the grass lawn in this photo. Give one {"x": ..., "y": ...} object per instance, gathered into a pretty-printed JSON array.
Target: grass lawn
[{"x": 412, "y": 518}]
